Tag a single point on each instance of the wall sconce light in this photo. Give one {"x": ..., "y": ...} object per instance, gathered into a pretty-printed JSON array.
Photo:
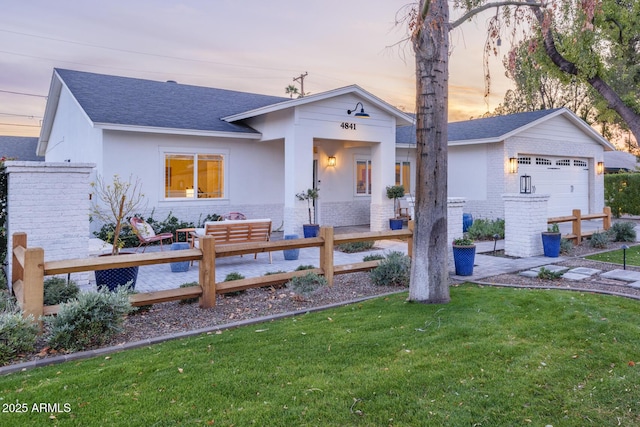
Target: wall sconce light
[
  {"x": 513, "y": 164},
  {"x": 525, "y": 184},
  {"x": 331, "y": 161},
  {"x": 361, "y": 114},
  {"x": 600, "y": 168}
]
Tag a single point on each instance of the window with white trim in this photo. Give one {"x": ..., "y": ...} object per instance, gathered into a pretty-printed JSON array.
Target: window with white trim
[
  {"x": 363, "y": 177},
  {"x": 194, "y": 176},
  {"x": 403, "y": 175}
]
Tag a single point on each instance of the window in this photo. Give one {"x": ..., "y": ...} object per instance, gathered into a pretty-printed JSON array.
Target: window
[
  {"x": 580, "y": 163},
  {"x": 564, "y": 162},
  {"x": 194, "y": 176},
  {"x": 543, "y": 161},
  {"x": 403, "y": 175},
  {"x": 363, "y": 177}
]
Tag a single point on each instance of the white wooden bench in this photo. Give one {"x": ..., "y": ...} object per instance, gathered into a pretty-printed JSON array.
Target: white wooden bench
[{"x": 236, "y": 231}]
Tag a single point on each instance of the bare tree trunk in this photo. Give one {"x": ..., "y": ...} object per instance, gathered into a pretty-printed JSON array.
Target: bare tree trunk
[{"x": 429, "y": 269}]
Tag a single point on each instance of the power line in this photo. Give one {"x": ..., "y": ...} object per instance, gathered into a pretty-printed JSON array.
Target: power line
[
  {"x": 22, "y": 93},
  {"x": 17, "y": 124},
  {"x": 30, "y": 116}
]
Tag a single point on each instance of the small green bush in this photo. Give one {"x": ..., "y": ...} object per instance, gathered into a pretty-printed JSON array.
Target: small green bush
[
  {"x": 305, "y": 267},
  {"x": 546, "y": 274},
  {"x": 8, "y": 302},
  {"x": 307, "y": 284},
  {"x": 57, "y": 290},
  {"x": 234, "y": 276},
  {"x": 373, "y": 257},
  {"x": 354, "y": 247},
  {"x": 599, "y": 240},
  {"x": 485, "y": 229},
  {"x": 3, "y": 278},
  {"x": 565, "y": 246},
  {"x": 89, "y": 321},
  {"x": 394, "y": 270},
  {"x": 269, "y": 273},
  {"x": 189, "y": 300},
  {"x": 623, "y": 232},
  {"x": 17, "y": 335}
]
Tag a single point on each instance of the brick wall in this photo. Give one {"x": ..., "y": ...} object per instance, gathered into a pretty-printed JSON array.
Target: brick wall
[
  {"x": 50, "y": 202},
  {"x": 525, "y": 218}
]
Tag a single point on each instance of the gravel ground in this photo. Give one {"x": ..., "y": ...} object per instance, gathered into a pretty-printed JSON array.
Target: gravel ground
[{"x": 174, "y": 317}]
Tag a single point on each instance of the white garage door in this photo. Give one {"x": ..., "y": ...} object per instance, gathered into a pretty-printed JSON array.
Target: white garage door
[{"x": 565, "y": 179}]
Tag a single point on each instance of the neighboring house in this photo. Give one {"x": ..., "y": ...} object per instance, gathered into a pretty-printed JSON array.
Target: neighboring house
[
  {"x": 201, "y": 150},
  {"x": 620, "y": 161},
  {"x": 19, "y": 148},
  {"x": 557, "y": 149}
]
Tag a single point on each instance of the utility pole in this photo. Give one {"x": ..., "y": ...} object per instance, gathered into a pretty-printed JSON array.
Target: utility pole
[{"x": 301, "y": 80}]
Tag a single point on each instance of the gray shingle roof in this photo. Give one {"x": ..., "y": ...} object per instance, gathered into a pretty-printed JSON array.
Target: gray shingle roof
[
  {"x": 486, "y": 128},
  {"x": 137, "y": 102},
  {"x": 21, "y": 148}
]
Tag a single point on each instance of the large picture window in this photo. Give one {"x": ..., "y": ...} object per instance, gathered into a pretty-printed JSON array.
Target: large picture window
[
  {"x": 363, "y": 177},
  {"x": 403, "y": 175},
  {"x": 194, "y": 176}
]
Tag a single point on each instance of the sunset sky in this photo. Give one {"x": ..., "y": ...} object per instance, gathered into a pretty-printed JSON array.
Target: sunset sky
[{"x": 247, "y": 45}]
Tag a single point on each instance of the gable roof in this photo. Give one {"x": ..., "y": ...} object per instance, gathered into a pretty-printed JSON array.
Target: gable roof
[
  {"x": 498, "y": 128},
  {"x": 124, "y": 101},
  {"x": 21, "y": 148}
]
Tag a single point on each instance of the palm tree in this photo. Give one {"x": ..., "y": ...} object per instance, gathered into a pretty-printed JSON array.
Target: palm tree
[{"x": 291, "y": 90}]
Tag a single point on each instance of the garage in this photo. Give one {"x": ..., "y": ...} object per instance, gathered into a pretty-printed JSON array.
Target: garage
[{"x": 566, "y": 179}]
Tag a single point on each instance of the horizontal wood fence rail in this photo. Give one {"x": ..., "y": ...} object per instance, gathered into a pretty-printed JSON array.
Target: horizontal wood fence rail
[
  {"x": 29, "y": 268},
  {"x": 576, "y": 219}
]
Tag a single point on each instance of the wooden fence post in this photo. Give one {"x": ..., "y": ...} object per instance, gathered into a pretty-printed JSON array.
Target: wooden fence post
[
  {"x": 207, "y": 268},
  {"x": 326, "y": 254},
  {"x": 577, "y": 225},
  {"x": 606, "y": 221},
  {"x": 411, "y": 225},
  {"x": 34, "y": 284},
  {"x": 17, "y": 270}
]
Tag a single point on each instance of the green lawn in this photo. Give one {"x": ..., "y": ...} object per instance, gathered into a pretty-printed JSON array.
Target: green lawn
[
  {"x": 633, "y": 256},
  {"x": 491, "y": 357}
]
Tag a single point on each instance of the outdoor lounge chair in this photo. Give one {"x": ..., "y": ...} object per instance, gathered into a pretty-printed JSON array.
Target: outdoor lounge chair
[{"x": 146, "y": 235}]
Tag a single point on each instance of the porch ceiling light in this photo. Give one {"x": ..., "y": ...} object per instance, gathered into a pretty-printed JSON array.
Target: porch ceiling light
[
  {"x": 361, "y": 114},
  {"x": 600, "y": 168},
  {"x": 331, "y": 161},
  {"x": 513, "y": 164}
]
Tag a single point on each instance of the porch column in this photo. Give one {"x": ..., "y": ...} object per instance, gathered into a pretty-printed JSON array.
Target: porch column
[
  {"x": 525, "y": 217},
  {"x": 298, "y": 177},
  {"x": 383, "y": 161}
]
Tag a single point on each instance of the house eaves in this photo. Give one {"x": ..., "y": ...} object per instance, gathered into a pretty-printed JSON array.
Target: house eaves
[
  {"x": 402, "y": 118},
  {"x": 177, "y": 131}
]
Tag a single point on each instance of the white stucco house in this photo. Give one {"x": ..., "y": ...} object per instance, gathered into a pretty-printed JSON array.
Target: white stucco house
[
  {"x": 562, "y": 155},
  {"x": 202, "y": 150}
]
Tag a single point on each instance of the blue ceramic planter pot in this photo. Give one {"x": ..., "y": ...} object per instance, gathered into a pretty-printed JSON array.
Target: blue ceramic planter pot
[
  {"x": 551, "y": 244},
  {"x": 291, "y": 254},
  {"x": 182, "y": 266},
  {"x": 395, "y": 224},
  {"x": 463, "y": 258},
  {"x": 113, "y": 278},
  {"x": 311, "y": 230}
]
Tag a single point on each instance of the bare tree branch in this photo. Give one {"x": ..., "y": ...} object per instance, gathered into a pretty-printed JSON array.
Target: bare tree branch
[{"x": 479, "y": 9}]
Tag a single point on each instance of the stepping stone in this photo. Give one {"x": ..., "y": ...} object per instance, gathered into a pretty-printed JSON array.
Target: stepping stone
[
  {"x": 585, "y": 271},
  {"x": 552, "y": 268},
  {"x": 635, "y": 285},
  {"x": 624, "y": 275},
  {"x": 529, "y": 273},
  {"x": 575, "y": 276}
]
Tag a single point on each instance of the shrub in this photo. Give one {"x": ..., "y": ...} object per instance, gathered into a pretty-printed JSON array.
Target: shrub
[
  {"x": 622, "y": 193},
  {"x": 57, "y": 290},
  {"x": 485, "y": 229},
  {"x": 307, "y": 284},
  {"x": 354, "y": 247},
  {"x": 565, "y": 246},
  {"x": 269, "y": 273},
  {"x": 8, "y": 302},
  {"x": 169, "y": 225},
  {"x": 599, "y": 240},
  {"x": 623, "y": 232},
  {"x": 234, "y": 276},
  {"x": 394, "y": 270},
  {"x": 17, "y": 335},
  {"x": 546, "y": 274},
  {"x": 89, "y": 321},
  {"x": 305, "y": 267},
  {"x": 189, "y": 300},
  {"x": 373, "y": 257}
]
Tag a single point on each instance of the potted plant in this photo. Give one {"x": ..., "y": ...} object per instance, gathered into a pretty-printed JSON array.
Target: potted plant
[
  {"x": 395, "y": 192},
  {"x": 464, "y": 255},
  {"x": 311, "y": 195},
  {"x": 115, "y": 202},
  {"x": 551, "y": 241}
]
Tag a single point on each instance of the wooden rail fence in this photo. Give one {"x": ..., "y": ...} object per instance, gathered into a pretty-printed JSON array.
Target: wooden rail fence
[
  {"x": 29, "y": 267},
  {"x": 576, "y": 223}
]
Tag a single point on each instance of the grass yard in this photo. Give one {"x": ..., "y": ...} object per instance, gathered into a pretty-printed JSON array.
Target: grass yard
[
  {"x": 633, "y": 256},
  {"x": 492, "y": 357}
]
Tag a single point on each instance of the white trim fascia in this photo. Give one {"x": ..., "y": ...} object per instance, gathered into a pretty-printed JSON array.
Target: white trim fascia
[
  {"x": 405, "y": 145},
  {"x": 319, "y": 97},
  {"x": 177, "y": 131},
  {"x": 478, "y": 141}
]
